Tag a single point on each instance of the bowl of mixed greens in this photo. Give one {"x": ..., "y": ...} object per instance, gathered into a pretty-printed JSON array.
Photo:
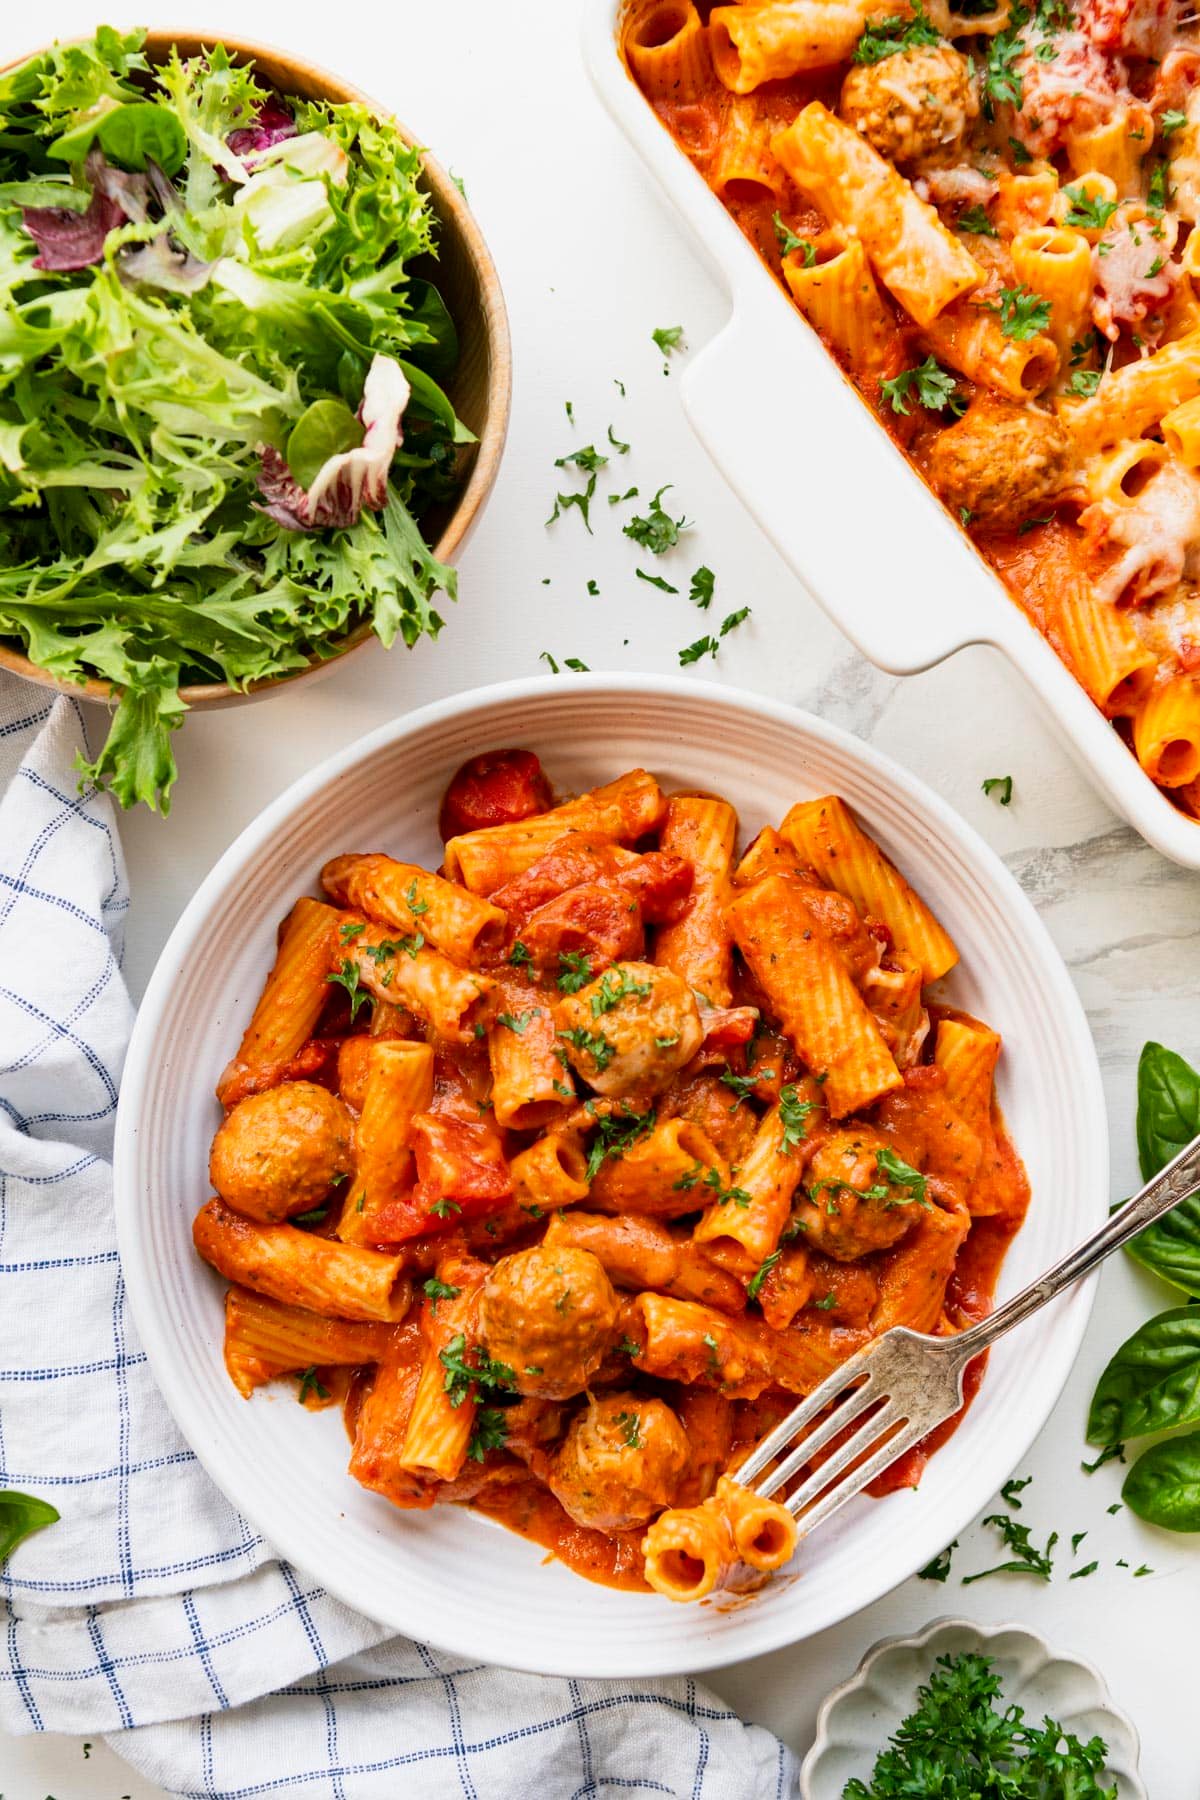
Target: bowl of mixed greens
[{"x": 254, "y": 380}]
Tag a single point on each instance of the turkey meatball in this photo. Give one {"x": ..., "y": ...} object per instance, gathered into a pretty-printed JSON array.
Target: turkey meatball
[
  {"x": 1002, "y": 462},
  {"x": 631, "y": 1029},
  {"x": 620, "y": 1463},
  {"x": 915, "y": 106},
  {"x": 280, "y": 1152},
  {"x": 550, "y": 1314},
  {"x": 851, "y": 1208}
]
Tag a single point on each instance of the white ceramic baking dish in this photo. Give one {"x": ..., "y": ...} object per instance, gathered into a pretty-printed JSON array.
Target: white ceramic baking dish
[{"x": 869, "y": 541}]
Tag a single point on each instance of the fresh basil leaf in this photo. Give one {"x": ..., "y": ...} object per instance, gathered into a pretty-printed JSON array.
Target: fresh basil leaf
[
  {"x": 137, "y": 135},
  {"x": 1168, "y": 1107},
  {"x": 1163, "y": 1486},
  {"x": 20, "y": 1516},
  {"x": 425, "y": 307},
  {"x": 1152, "y": 1382},
  {"x": 324, "y": 429}
]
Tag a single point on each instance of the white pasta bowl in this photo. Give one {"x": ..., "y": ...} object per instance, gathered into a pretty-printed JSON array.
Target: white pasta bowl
[
  {"x": 859, "y": 1717},
  {"x": 867, "y": 538},
  {"x": 449, "y": 1575}
]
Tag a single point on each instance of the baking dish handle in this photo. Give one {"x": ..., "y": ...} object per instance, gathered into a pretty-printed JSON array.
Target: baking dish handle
[{"x": 841, "y": 504}]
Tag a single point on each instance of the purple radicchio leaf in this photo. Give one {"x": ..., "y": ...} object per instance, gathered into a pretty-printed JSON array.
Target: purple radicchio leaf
[
  {"x": 273, "y": 124},
  {"x": 71, "y": 240},
  {"x": 162, "y": 263},
  {"x": 352, "y": 480}
]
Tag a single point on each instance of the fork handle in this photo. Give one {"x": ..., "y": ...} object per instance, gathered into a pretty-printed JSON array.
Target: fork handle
[{"x": 1180, "y": 1178}]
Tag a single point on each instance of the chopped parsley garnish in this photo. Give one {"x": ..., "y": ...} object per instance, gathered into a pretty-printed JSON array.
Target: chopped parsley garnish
[
  {"x": 1110, "y": 1453},
  {"x": 515, "y": 1021},
  {"x": 545, "y": 656},
  {"x": 668, "y": 337},
  {"x": 1001, "y": 85},
  {"x": 460, "y": 1373},
  {"x": 760, "y": 1274},
  {"x": 519, "y": 955},
  {"x": 1020, "y": 154},
  {"x": 582, "y": 498},
  {"x": 587, "y": 459},
  {"x": 1088, "y": 211},
  {"x": 732, "y": 620},
  {"x": 593, "y": 1044},
  {"x": 348, "y": 977},
  {"x": 656, "y": 581},
  {"x": 1157, "y": 195},
  {"x": 787, "y": 240},
  {"x": 439, "y": 1290},
  {"x": 488, "y": 1433},
  {"x": 443, "y": 1208},
  {"x": 695, "y": 652},
  {"x": 310, "y": 1385},
  {"x": 630, "y": 1434},
  {"x": 351, "y": 930},
  {"x": 1087, "y": 1569},
  {"x": 416, "y": 907},
  {"x": 1027, "y": 1559},
  {"x": 743, "y": 1086},
  {"x": 630, "y": 1346},
  {"x": 317, "y": 1216},
  {"x": 575, "y": 663},
  {"x": 700, "y": 592},
  {"x": 576, "y": 971},
  {"x": 1001, "y": 786},
  {"x": 614, "y": 987},
  {"x": 1085, "y": 382},
  {"x": 656, "y": 530},
  {"x": 629, "y": 494},
  {"x": 1155, "y": 268},
  {"x": 899, "y": 1174},
  {"x": 792, "y": 1115},
  {"x": 897, "y": 33},
  {"x": 569, "y": 409},
  {"x": 939, "y": 1568},
  {"x": 618, "y": 446},
  {"x": 1022, "y": 313},
  {"x": 616, "y": 1134},
  {"x": 976, "y": 221},
  {"x": 1172, "y": 120},
  {"x": 1010, "y": 1490},
  {"x": 828, "y": 1303},
  {"x": 710, "y": 1344},
  {"x": 934, "y": 388}
]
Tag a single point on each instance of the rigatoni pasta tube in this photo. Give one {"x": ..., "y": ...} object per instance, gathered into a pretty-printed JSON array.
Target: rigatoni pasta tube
[
  {"x": 743, "y": 165},
  {"x": 764, "y": 1531},
  {"x": 671, "y": 1171},
  {"x": 1114, "y": 148},
  {"x": 701, "y": 829},
  {"x": 294, "y": 996},
  {"x": 768, "y": 854},
  {"x": 914, "y": 255},
  {"x": 799, "y": 969},
  {"x": 411, "y": 900},
  {"x": 753, "y": 44},
  {"x": 382, "y": 1421},
  {"x": 1181, "y": 432},
  {"x": 913, "y": 1277},
  {"x": 971, "y": 339},
  {"x": 683, "y": 1341},
  {"x": 667, "y": 49},
  {"x": 1166, "y": 732},
  {"x": 621, "y": 811},
  {"x": 757, "y": 1213},
  {"x": 640, "y": 1253},
  {"x": 264, "y": 1338},
  {"x": 836, "y": 292},
  {"x": 443, "y": 1409},
  {"x": 527, "y": 1077},
  {"x": 1135, "y": 396},
  {"x": 550, "y": 1174},
  {"x": 399, "y": 1085},
  {"x": 967, "y": 1052},
  {"x": 1056, "y": 263},
  {"x": 830, "y": 840},
  {"x": 301, "y": 1269},
  {"x": 405, "y": 971},
  {"x": 689, "y": 1551}
]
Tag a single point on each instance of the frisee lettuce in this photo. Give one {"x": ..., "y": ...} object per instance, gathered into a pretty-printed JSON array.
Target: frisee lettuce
[{"x": 137, "y": 393}]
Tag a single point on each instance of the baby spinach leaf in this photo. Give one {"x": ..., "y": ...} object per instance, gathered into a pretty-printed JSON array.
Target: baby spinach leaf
[
  {"x": 1168, "y": 1117},
  {"x": 1163, "y": 1486},
  {"x": 1152, "y": 1382},
  {"x": 1168, "y": 1107},
  {"x": 427, "y": 309},
  {"x": 137, "y": 135},
  {"x": 324, "y": 429},
  {"x": 20, "y": 1516}
]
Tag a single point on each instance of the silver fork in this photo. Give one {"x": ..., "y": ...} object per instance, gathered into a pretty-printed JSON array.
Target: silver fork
[{"x": 903, "y": 1385}]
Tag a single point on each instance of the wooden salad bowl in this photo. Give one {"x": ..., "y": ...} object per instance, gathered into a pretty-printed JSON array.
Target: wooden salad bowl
[{"x": 480, "y": 388}]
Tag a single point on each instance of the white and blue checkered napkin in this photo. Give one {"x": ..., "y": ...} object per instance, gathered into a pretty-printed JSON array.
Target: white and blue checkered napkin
[{"x": 152, "y": 1612}]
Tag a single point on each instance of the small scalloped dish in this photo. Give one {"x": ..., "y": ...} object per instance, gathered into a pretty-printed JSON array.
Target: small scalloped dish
[{"x": 856, "y": 1721}]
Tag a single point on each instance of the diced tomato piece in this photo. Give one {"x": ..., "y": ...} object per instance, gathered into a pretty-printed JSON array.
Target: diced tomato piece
[
  {"x": 600, "y": 920},
  {"x": 566, "y": 865},
  {"x": 496, "y": 788},
  {"x": 662, "y": 882},
  {"x": 315, "y": 1061}
]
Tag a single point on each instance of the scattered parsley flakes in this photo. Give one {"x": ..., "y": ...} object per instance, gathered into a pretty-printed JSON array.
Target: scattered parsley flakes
[
  {"x": 1172, "y": 120},
  {"x": 1010, "y": 1490},
  {"x": 617, "y": 499},
  {"x": 484, "y": 1372},
  {"x": 935, "y": 389},
  {"x": 1087, "y": 1569},
  {"x": 1110, "y": 1453},
  {"x": 656, "y": 581},
  {"x": 439, "y": 1290},
  {"x": 897, "y": 33},
  {"x": 669, "y": 338},
  {"x": 615, "y": 1134},
  {"x": 515, "y": 1021},
  {"x": 1088, "y": 211},
  {"x": 695, "y": 652},
  {"x": 630, "y": 1346},
  {"x": 787, "y": 240},
  {"x": 577, "y": 666},
  {"x": 1002, "y": 84},
  {"x": 703, "y": 583},
  {"x": 899, "y": 1174},
  {"x": 656, "y": 530},
  {"x": 348, "y": 978},
  {"x": 576, "y": 971},
  {"x": 310, "y": 1385},
  {"x": 618, "y": 446},
  {"x": 317, "y": 1216},
  {"x": 569, "y": 409},
  {"x": 1026, "y": 1559},
  {"x": 545, "y": 656},
  {"x": 582, "y": 498},
  {"x": 760, "y": 1274},
  {"x": 1158, "y": 194},
  {"x": 351, "y": 930},
  {"x": 732, "y": 620},
  {"x": 744, "y": 1085},
  {"x": 1084, "y": 382},
  {"x": 587, "y": 459},
  {"x": 593, "y": 1044},
  {"x": 828, "y": 1303},
  {"x": 630, "y": 1434},
  {"x": 519, "y": 955},
  {"x": 792, "y": 1115},
  {"x": 489, "y": 1432},
  {"x": 615, "y": 987},
  {"x": 1022, "y": 313},
  {"x": 975, "y": 220},
  {"x": 939, "y": 1568},
  {"x": 999, "y": 785}
]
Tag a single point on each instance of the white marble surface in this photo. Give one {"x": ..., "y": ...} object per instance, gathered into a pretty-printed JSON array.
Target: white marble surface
[{"x": 591, "y": 262}]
